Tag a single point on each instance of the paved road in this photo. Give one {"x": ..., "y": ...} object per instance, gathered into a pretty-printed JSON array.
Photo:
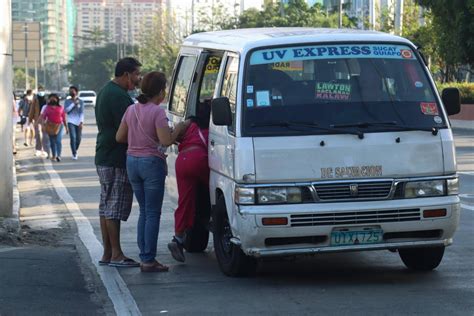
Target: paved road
[{"x": 355, "y": 283}]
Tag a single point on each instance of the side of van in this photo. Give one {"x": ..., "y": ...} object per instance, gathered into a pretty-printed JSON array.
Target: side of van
[{"x": 321, "y": 140}]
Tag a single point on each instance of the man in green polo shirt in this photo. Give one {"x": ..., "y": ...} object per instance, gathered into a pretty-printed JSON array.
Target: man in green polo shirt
[{"x": 116, "y": 195}]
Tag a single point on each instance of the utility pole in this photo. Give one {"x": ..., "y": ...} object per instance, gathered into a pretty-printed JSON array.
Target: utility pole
[
  {"x": 372, "y": 14},
  {"x": 6, "y": 95},
  {"x": 340, "y": 14},
  {"x": 398, "y": 17},
  {"x": 25, "y": 28}
]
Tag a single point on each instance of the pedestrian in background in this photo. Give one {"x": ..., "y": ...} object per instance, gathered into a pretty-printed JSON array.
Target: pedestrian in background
[
  {"x": 14, "y": 122},
  {"x": 39, "y": 101},
  {"x": 145, "y": 128},
  {"x": 192, "y": 171},
  {"x": 54, "y": 118},
  {"x": 75, "y": 119},
  {"x": 116, "y": 194},
  {"x": 24, "y": 110}
]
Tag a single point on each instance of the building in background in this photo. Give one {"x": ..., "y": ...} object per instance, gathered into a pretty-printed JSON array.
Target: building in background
[
  {"x": 57, "y": 30},
  {"x": 117, "y": 21}
]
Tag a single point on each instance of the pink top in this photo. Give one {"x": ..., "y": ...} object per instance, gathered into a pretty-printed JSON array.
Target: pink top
[
  {"x": 54, "y": 114},
  {"x": 192, "y": 137},
  {"x": 142, "y": 138}
]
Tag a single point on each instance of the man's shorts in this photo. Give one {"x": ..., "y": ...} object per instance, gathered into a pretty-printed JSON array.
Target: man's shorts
[{"x": 116, "y": 195}]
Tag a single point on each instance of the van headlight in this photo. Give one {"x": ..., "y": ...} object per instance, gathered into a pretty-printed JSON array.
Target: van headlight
[
  {"x": 278, "y": 195},
  {"x": 425, "y": 188},
  {"x": 267, "y": 195}
]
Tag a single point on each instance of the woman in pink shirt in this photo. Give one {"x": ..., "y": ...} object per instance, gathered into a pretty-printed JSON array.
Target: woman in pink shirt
[
  {"x": 55, "y": 113},
  {"x": 145, "y": 127}
]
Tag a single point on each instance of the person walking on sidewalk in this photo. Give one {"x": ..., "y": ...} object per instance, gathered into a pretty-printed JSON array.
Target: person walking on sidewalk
[
  {"x": 39, "y": 101},
  {"x": 192, "y": 171},
  {"x": 145, "y": 128},
  {"x": 24, "y": 110},
  {"x": 75, "y": 118},
  {"x": 116, "y": 194},
  {"x": 14, "y": 122},
  {"x": 54, "y": 117}
]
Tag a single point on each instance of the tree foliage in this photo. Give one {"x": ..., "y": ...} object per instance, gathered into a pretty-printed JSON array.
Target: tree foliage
[
  {"x": 157, "y": 50},
  {"x": 295, "y": 13},
  {"x": 92, "y": 68},
  {"x": 19, "y": 78},
  {"x": 452, "y": 23}
]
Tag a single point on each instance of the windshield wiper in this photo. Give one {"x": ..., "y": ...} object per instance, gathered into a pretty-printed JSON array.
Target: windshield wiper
[
  {"x": 292, "y": 124},
  {"x": 389, "y": 124}
]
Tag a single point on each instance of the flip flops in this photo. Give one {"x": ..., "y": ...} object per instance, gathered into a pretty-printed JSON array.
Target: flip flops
[
  {"x": 156, "y": 267},
  {"x": 103, "y": 263},
  {"x": 124, "y": 263}
]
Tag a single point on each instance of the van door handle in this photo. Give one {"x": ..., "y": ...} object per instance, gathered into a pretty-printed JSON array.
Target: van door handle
[{"x": 212, "y": 143}]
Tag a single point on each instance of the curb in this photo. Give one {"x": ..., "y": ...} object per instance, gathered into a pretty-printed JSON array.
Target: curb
[{"x": 13, "y": 223}]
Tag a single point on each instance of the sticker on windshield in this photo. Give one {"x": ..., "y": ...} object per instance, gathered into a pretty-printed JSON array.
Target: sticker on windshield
[
  {"x": 292, "y": 54},
  {"x": 333, "y": 91},
  {"x": 406, "y": 53},
  {"x": 249, "y": 89},
  {"x": 250, "y": 103},
  {"x": 429, "y": 108},
  {"x": 418, "y": 84},
  {"x": 438, "y": 119},
  {"x": 263, "y": 98}
]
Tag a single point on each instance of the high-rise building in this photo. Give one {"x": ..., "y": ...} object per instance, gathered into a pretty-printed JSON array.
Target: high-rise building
[
  {"x": 117, "y": 21},
  {"x": 56, "y": 26}
]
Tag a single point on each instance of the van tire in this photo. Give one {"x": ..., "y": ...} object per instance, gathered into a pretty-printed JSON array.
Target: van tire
[
  {"x": 197, "y": 237},
  {"x": 232, "y": 260},
  {"x": 422, "y": 259}
]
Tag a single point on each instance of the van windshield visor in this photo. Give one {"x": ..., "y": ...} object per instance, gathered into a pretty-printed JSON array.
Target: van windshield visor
[{"x": 338, "y": 86}]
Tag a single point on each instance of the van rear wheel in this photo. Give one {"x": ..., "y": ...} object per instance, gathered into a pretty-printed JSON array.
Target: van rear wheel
[
  {"x": 232, "y": 260},
  {"x": 422, "y": 259}
]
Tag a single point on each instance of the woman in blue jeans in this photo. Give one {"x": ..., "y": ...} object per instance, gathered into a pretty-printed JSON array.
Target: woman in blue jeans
[{"x": 145, "y": 128}]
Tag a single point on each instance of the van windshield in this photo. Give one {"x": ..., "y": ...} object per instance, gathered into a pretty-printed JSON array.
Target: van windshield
[{"x": 366, "y": 87}]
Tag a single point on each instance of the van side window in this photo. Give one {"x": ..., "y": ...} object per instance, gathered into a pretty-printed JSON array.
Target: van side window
[
  {"x": 181, "y": 86},
  {"x": 229, "y": 86}
]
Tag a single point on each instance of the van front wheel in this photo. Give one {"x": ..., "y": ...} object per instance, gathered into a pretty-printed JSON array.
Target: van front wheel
[
  {"x": 422, "y": 259},
  {"x": 232, "y": 260}
]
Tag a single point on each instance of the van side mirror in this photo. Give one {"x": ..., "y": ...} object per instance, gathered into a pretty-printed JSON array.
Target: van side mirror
[
  {"x": 452, "y": 100},
  {"x": 221, "y": 113}
]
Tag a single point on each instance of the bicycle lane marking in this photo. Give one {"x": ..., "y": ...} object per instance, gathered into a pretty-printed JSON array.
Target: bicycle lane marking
[{"x": 119, "y": 294}]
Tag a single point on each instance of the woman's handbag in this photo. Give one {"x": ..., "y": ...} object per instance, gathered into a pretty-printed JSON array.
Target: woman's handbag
[{"x": 50, "y": 128}]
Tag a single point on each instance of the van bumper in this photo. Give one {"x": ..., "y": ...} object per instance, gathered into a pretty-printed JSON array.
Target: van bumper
[{"x": 258, "y": 240}]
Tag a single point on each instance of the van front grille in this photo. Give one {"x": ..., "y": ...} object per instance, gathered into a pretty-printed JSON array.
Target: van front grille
[
  {"x": 348, "y": 218},
  {"x": 353, "y": 190}
]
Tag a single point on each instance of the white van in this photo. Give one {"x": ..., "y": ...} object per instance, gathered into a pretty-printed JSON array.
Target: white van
[{"x": 321, "y": 140}]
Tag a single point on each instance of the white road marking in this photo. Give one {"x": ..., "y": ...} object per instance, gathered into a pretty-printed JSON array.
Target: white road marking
[
  {"x": 122, "y": 299},
  {"x": 470, "y": 173},
  {"x": 467, "y": 207},
  {"x": 10, "y": 249}
]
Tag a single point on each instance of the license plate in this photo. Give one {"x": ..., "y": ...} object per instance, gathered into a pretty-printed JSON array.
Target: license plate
[{"x": 353, "y": 237}]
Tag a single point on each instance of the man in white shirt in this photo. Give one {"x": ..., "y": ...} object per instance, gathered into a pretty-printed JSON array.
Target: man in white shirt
[{"x": 75, "y": 118}]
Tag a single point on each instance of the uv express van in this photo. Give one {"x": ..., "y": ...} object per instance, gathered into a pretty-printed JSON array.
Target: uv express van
[{"x": 321, "y": 140}]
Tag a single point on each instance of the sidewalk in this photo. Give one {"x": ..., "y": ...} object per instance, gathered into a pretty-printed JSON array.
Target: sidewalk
[
  {"x": 465, "y": 119},
  {"x": 43, "y": 268}
]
